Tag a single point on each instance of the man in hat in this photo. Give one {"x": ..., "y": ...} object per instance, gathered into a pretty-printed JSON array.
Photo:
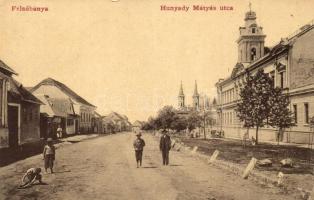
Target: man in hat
[
  {"x": 165, "y": 146},
  {"x": 138, "y": 145}
]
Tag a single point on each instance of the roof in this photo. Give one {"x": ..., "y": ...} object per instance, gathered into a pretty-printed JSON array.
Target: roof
[
  {"x": 138, "y": 123},
  {"x": 64, "y": 88},
  {"x": 6, "y": 69},
  {"x": 61, "y": 107},
  {"x": 115, "y": 116},
  {"x": 97, "y": 115},
  {"x": 17, "y": 90}
]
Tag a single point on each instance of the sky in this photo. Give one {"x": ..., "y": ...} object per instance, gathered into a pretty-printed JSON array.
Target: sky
[{"x": 129, "y": 56}]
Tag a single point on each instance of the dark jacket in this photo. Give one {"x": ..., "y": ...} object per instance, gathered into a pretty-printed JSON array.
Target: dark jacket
[
  {"x": 165, "y": 143},
  {"x": 138, "y": 144}
]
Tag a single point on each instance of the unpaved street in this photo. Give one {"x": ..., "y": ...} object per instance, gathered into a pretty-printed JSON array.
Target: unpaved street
[{"x": 105, "y": 168}]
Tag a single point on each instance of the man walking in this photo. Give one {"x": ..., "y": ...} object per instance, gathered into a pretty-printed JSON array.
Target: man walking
[
  {"x": 138, "y": 145},
  {"x": 165, "y": 146}
]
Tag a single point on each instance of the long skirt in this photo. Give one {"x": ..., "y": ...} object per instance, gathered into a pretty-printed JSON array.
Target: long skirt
[{"x": 49, "y": 158}]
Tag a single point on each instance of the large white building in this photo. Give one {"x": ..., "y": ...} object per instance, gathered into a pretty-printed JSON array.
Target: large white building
[{"x": 290, "y": 63}]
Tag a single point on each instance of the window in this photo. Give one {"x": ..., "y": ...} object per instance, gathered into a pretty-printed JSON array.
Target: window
[
  {"x": 253, "y": 54},
  {"x": 306, "y": 112},
  {"x": 295, "y": 111},
  {"x": 281, "y": 79},
  {"x": 253, "y": 30},
  {"x": 70, "y": 122},
  {"x": 272, "y": 76}
]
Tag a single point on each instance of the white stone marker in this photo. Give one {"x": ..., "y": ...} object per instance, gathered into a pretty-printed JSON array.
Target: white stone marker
[
  {"x": 194, "y": 150},
  {"x": 249, "y": 168},
  {"x": 280, "y": 177},
  {"x": 173, "y": 142},
  {"x": 214, "y": 156},
  {"x": 312, "y": 194}
]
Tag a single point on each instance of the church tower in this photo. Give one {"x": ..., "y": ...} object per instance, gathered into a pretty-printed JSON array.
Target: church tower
[
  {"x": 196, "y": 98},
  {"x": 251, "y": 40},
  {"x": 181, "y": 98}
]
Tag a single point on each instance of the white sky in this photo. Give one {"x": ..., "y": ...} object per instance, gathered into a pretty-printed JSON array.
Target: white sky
[{"x": 129, "y": 56}]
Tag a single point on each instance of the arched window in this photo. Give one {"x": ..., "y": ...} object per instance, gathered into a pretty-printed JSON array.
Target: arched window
[{"x": 253, "y": 54}]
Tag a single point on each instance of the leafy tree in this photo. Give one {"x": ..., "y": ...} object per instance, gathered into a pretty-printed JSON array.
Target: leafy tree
[
  {"x": 280, "y": 115},
  {"x": 179, "y": 123},
  {"x": 166, "y": 116},
  {"x": 193, "y": 120},
  {"x": 254, "y": 107}
]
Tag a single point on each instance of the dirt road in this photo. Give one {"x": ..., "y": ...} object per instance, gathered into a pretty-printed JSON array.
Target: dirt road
[{"x": 105, "y": 168}]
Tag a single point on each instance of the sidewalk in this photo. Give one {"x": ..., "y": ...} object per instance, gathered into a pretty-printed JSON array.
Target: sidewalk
[{"x": 9, "y": 155}]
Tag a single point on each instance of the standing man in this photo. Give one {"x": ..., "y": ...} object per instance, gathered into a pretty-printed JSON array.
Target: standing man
[{"x": 165, "y": 146}]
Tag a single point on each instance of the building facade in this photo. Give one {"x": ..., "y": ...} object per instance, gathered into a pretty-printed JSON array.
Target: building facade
[
  {"x": 84, "y": 109},
  {"x": 19, "y": 123},
  {"x": 290, "y": 63}
]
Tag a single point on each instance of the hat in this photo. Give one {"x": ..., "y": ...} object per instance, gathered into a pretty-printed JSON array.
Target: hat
[
  {"x": 164, "y": 131},
  {"x": 49, "y": 140},
  {"x": 138, "y": 134}
]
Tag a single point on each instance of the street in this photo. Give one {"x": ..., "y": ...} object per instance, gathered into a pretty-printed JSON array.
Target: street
[{"x": 105, "y": 168}]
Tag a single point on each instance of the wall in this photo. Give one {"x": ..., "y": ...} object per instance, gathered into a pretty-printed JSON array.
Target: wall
[
  {"x": 30, "y": 123},
  {"x": 302, "y": 61},
  {"x": 4, "y": 137}
]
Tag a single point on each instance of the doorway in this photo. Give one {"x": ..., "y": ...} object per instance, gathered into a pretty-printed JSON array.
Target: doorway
[{"x": 13, "y": 125}]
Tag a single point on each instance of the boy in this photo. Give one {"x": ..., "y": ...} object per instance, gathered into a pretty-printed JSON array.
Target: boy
[
  {"x": 30, "y": 177},
  {"x": 138, "y": 145},
  {"x": 49, "y": 155}
]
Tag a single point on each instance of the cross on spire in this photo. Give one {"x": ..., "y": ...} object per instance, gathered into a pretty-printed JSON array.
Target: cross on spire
[{"x": 250, "y": 6}]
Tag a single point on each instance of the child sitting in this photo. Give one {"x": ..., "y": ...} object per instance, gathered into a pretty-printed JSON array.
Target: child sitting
[{"x": 30, "y": 177}]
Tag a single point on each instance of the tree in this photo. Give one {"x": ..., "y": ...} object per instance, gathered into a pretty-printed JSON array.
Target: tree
[
  {"x": 280, "y": 115},
  {"x": 254, "y": 108},
  {"x": 179, "y": 123},
  {"x": 166, "y": 116},
  {"x": 193, "y": 120}
]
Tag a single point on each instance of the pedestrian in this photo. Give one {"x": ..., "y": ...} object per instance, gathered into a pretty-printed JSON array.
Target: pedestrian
[
  {"x": 30, "y": 177},
  {"x": 59, "y": 132},
  {"x": 138, "y": 145},
  {"x": 165, "y": 146},
  {"x": 49, "y": 155}
]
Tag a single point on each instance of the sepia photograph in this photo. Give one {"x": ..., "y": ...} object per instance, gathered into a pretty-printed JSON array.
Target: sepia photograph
[{"x": 157, "y": 100}]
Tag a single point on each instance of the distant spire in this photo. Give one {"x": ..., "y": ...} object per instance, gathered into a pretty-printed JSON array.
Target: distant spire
[
  {"x": 181, "y": 90},
  {"x": 250, "y": 6},
  {"x": 195, "y": 90}
]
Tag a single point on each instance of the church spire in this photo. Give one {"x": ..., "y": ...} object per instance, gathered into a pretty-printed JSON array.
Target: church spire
[
  {"x": 196, "y": 98},
  {"x": 195, "y": 90},
  {"x": 181, "y": 98},
  {"x": 181, "y": 93}
]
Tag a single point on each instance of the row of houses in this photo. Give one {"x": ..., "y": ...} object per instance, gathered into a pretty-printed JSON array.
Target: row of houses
[
  {"x": 290, "y": 63},
  {"x": 31, "y": 114}
]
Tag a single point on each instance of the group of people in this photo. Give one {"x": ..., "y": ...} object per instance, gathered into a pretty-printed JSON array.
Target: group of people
[
  {"x": 164, "y": 147},
  {"x": 34, "y": 174}
]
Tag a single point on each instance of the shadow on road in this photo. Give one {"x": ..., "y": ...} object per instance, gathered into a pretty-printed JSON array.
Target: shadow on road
[
  {"x": 174, "y": 165},
  {"x": 60, "y": 172},
  {"x": 150, "y": 167}
]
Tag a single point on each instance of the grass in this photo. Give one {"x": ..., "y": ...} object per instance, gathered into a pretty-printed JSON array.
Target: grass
[{"x": 233, "y": 151}]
